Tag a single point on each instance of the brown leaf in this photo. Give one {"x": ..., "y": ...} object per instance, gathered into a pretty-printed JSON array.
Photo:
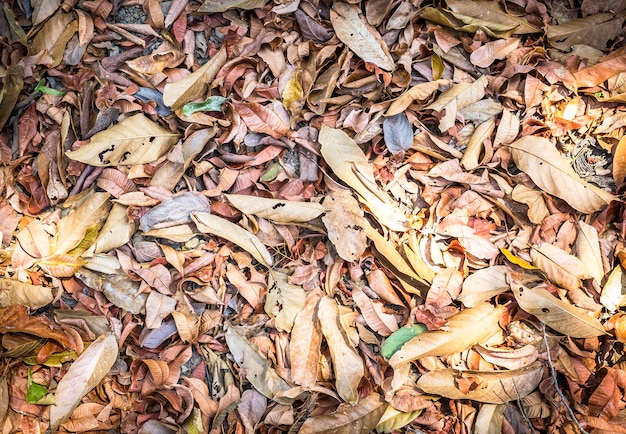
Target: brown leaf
[
  {"x": 595, "y": 30},
  {"x": 305, "y": 345},
  {"x": 261, "y": 119},
  {"x": 354, "y": 31},
  {"x": 15, "y": 319},
  {"x": 492, "y": 51},
  {"x": 495, "y": 387},
  {"x": 345, "y": 224},
  {"x": 358, "y": 418}
]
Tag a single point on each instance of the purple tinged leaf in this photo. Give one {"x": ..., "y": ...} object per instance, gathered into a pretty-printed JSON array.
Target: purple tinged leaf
[{"x": 398, "y": 133}]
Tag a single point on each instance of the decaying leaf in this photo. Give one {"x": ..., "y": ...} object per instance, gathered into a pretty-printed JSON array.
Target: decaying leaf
[
  {"x": 614, "y": 291},
  {"x": 544, "y": 164},
  {"x": 560, "y": 267},
  {"x": 118, "y": 288},
  {"x": 559, "y": 315},
  {"x": 457, "y": 98},
  {"x": 258, "y": 370},
  {"x": 84, "y": 374},
  {"x": 495, "y": 387},
  {"x": 277, "y": 210},
  {"x": 467, "y": 328},
  {"x": 419, "y": 92},
  {"x": 135, "y": 140},
  {"x": 13, "y": 292},
  {"x": 345, "y": 224},
  {"x": 212, "y": 6},
  {"x": 284, "y": 301},
  {"x": 215, "y": 225},
  {"x": 492, "y": 51},
  {"x": 354, "y": 31},
  {"x": 595, "y": 30}
]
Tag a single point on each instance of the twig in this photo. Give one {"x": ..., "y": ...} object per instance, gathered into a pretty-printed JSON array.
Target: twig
[{"x": 556, "y": 384}]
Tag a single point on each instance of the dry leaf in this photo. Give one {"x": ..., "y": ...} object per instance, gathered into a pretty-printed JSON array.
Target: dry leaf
[
  {"x": 595, "y": 30},
  {"x": 118, "y": 289},
  {"x": 495, "y": 387},
  {"x": 212, "y": 6},
  {"x": 559, "y": 315},
  {"x": 215, "y": 225},
  {"x": 507, "y": 129},
  {"x": 492, "y": 51},
  {"x": 419, "y": 92},
  {"x": 347, "y": 364},
  {"x": 135, "y": 140},
  {"x": 457, "y": 98},
  {"x": 194, "y": 85},
  {"x": 277, "y": 210},
  {"x": 305, "y": 345},
  {"x": 349, "y": 163},
  {"x": 13, "y": 292},
  {"x": 463, "y": 330},
  {"x": 353, "y": 30},
  {"x": 398, "y": 133},
  {"x": 261, "y": 119},
  {"x": 483, "y": 284},
  {"x": 359, "y": 418},
  {"x": 373, "y": 311},
  {"x": 562, "y": 268},
  {"x": 258, "y": 370},
  {"x": 537, "y": 208},
  {"x": 284, "y": 301},
  {"x": 118, "y": 229},
  {"x": 614, "y": 290},
  {"x": 492, "y": 12},
  {"x": 158, "y": 307},
  {"x": 545, "y": 165},
  {"x": 344, "y": 223},
  {"x": 587, "y": 248},
  {"x": 84, "y": 374}
]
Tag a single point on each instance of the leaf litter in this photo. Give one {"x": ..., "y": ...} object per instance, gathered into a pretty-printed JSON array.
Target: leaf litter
[{"x": 303, "y": 216}]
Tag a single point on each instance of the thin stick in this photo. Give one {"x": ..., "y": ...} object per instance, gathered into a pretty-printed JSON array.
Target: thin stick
[{"x": 556, "y": 384}]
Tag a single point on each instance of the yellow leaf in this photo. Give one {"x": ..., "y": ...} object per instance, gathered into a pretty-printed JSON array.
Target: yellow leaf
[
  {"x": 517, "y": 261},
  {"x": 61, "y": 265},
  {"x": 293, "y": 93}
]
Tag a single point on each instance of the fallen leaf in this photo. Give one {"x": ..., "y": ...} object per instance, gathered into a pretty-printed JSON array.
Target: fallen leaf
[
  {"x": 419, "y": 92},
  {"x": 400, "y": 337},
  {"x": 614, "y": 291},
  {"x": 562, "y": 268},
  {"x": 492, "y": 51},
  {"x": 495, "y": 387},
  {"x": 349, "y": 163},
  {"x": 212, "y": 6},
  {"x": 508, "y": 128},
  {"x": 135, "y": 140},
  {"x": 490, "y": 418},
  {"x": 587, "y": 248},
  {"x": 258, "y": 370},
  {"x": 492, "y": 12},
  {"x": 284, "y": 300},
  {"x": 353, "y": 30},
  {"x": 179, "y": 93},
  {"x": 595, "y": 30},
  {"x": 463, "y": 330},
  {"x": 457, "y": 98},
  {"x": 118, "y": 289},
  {"x": 398, "y": 133},
  {"x": 559, "y": 315},
  {"x": 261, "y": 119},
  {"x": 14, "y": 292},
  {"x": 483, "y": 284},
  {"x": 13, "y": 83},
  {"x": 359, "y": 418},
  {"x": 305, "y": 345},
  {"x": 277, "y": 210},
  {"x": 393, "y": 419},
  {"x": 539, "y": 158},
  {"x": 84, "y": 374},
  {"x": 373, "y": 311},
  {"x": 215, "y": 225},
  {"x": 537, "y": 208},
  {"x": 347, "y": 364},
  {"x": 344, "y": 223},
  {"x": 174, "y": 211}
]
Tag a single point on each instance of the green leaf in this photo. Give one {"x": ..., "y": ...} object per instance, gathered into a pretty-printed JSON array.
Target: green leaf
[
  {"x": 398, "y": 338},
  {"x": 36, "y": 393},
  {"x": 212, "y": 104},
  {"x": 41, "y": 87}
]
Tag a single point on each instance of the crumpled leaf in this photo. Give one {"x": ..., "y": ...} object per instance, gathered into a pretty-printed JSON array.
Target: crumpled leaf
[
  {"x": 349, "y": 163},
  {"x": 174, "y": 211},
  {"x": 179, "y": 93},
  {"x": 595, "y": 30},
  {"x": 373, "y": 311},
  {"x": 559, "y": 315},
  {"x": 284, "y": 301},
  {"x": 533, "y": 198},
  {"x": 353, "y": 30},
  {"x": 258, "y": 370},
  {"x": 398, "y": 133},
  {"x": 277, "y": 210},
  {"x": 212, "y": 6},
  {"x": 467, "y": 328},
  {"x": 344, "y": 223},
  {"x": 84, "y": 374},
  {"x": 347, "y": 364},
  {"x": 495, "y": 387},
  {"x": 215, "y": 225},
  {"x": 562, "y": 268},
  {"x": 16, "y": 319},
  {"x": 359, "y": 418},
  {"x": 545, "y": 165},
  {"x": 135, "y": 140},
  {"x": 508, "y": 128}
]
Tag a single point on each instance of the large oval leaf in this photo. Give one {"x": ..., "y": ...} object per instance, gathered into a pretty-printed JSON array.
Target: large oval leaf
[
  {"x": 84, "y": 374},
  {"x": 545, "y": 165}
]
